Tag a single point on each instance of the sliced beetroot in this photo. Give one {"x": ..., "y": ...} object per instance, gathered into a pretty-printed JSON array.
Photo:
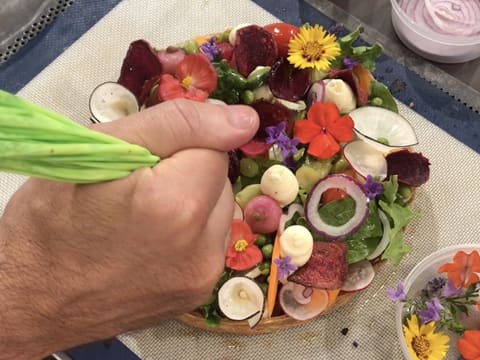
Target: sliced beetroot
[
  {"x": 254, "y": 46},
  {"x": 327, "y": 267},
  {"x": 139, "y": 65},
  {"x": 412, "y": 168},
  {"x": 287, "y": 82},
  {"x": 351, "y": 79},
  {"x": 226, "y": 50},
  {"x": 272, "y": 115}
]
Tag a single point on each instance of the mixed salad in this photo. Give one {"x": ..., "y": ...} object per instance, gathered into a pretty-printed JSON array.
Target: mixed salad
[{"x": 323, "y": 190}]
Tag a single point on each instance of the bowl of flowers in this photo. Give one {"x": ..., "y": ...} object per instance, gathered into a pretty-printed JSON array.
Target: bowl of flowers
[
  {"x": 438, "y": 307},
  {"x": 324, "y": 189}
]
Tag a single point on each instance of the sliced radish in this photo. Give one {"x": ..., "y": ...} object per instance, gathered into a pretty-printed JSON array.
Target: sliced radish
[
  {"x": 111, "y": 101},
  {"x": 292, "y": 210},
  {"x": 382, "y": 128},
  {"x": 382, "y": 245},
  {"x": 359, "y": 276},
  {"x": 302, "y": 294},
  {"x": 353, "y": 189},
  {"x": 302, "y": 311},
  {"x": 241, "y": 298},
  {"x": 316, "y": 93},
  {"x": 365, "y": 159}
]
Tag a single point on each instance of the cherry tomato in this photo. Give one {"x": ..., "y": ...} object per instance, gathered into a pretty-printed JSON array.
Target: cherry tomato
[
  {"x": 282, "y": 33},
  {"x": 333, "y": 194}
]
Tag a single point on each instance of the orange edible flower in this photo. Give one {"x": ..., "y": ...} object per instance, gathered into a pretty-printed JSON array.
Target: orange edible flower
[
  {"x": 323, "y": 129},
  {"x": 469, "y": 345},
  {"x": 462, "y": 272},
  {"x": 242, "y": 253},
  {"x": 195, "y": 78}
]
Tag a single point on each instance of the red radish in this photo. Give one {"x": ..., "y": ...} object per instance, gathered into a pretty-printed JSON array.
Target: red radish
[
  {"x": 298, "y": 311},
  {"x": 359, "y": 276},
  {"x": 302, "y": 294},
  {"x": 255, "y": 148},
  {"x": 263, "y": 213},
  {"x": 169, "y": 58}
]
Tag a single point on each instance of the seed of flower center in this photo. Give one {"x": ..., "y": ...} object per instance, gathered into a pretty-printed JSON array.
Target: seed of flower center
[
  {"x": 241, "y": 245},
  {"x": 421, "y": 346},
  {"x": 187, "y": 82},
  {"x": 313, "y": 51}
]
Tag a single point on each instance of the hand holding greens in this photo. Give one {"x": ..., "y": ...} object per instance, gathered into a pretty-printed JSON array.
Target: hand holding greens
[{"x": 40, "y": 143}]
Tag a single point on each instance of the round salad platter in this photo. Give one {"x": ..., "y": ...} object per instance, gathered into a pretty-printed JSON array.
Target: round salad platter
[{"x": 323, "y": 191}]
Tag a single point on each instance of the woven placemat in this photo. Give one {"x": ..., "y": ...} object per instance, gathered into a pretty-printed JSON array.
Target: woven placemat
[{"x": 448, "y": 203}]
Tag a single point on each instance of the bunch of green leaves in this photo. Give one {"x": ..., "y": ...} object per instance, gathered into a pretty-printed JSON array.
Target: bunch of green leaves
[{"x": 40, "y": 143}]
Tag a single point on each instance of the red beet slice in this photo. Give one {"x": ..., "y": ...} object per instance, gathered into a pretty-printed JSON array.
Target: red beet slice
[
  {"x": 272, "y": 115},
  {"x": 254, "y": 46},
  {"x": 287, "y": 82},
  {"x": 412, "y": 168},
  {"x": 327, "y": 267},
  {"x": 139, "y": 65},
  {"x": 349, "y": 77}
]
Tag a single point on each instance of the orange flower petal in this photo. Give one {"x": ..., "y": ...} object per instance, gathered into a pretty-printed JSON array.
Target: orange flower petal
[
  {"x": 323, "y": 146},
  {"x": 241, "y": 230},
  {"x": 203, "y": 74},
  {"x": 463, "y": 270},
  {"x": 474, "y": 261},
  {"x": 196, "y": 94},
  {"x": 323, "y": 113},
  {"x": 170, "y": 88},
  {"x": 305, "y": 131},
  {"x": 469, "y": 345},
  {"x": 244, "y": 260},
  {"x": 341, "y": 128}
]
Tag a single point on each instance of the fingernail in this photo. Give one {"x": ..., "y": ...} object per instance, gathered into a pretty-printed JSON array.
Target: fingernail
[{"x": 241, "y": 116}]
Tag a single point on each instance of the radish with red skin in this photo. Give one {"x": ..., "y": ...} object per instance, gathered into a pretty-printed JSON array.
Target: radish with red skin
[
  {"x": 169, "y": 58},
  {"x": 263, "y": 213},
  {"x": 317, "y": 304},
  {"x": 359, "y": 276}
]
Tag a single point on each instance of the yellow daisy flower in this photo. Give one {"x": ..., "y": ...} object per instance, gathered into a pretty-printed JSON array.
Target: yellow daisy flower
[
  {"x": 313, "y": 47},
  {"x": 422, "y": 341}
]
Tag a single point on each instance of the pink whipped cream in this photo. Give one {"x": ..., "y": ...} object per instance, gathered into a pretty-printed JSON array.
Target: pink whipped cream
[{"x": 449, "y": 17}]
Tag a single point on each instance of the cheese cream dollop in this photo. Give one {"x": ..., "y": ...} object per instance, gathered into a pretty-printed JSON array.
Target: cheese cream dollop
[
  {"x": 280, "y": 183},
  {"x": 297, "y": 242}
]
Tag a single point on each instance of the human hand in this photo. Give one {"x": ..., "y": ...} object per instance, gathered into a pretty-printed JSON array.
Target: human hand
[{"x": 86, "y": 262}]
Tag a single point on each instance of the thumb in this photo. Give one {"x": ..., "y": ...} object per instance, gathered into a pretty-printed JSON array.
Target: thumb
[{"x": 177, "y": 125}]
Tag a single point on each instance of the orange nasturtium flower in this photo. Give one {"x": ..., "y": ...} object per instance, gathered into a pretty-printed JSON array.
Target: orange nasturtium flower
[
  {"x": 462, "y": 272},
  {"x": 469, "y": 345},
  {"x": 242, "y": 253},
  {"x": 195, "y": 78},
  {"x": 323, "y": 129}
]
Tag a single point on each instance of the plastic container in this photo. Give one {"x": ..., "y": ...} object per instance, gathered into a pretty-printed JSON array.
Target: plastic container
[
  {"x": 431, "y": 45},
  {"x": 417, "y": 278}
]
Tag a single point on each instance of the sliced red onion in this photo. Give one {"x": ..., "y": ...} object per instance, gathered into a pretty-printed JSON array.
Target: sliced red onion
[
  {"x": 453, "y": 17},
  {"x": 382, "y": 245},
  {"x": 292, "y": 210},
  {"x": 353, "y": 189}
]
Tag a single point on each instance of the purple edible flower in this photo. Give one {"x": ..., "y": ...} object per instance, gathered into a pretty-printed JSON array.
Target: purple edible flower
[
  {"x": 210, "y": 49},
  {"x": 350, "y": 63},
  {"x": 335, "y": 29},
  {"x": 372, "y": 187},
  {"x": 277, "y": 135},
  {"x": 398, "y": 294},
  {"x": 451, "y": 291},
  {"x": 432, "y": 311},
  {"x": 285, "y": 267}
]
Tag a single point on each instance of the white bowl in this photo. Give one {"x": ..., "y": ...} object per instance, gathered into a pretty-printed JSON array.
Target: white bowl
[
  {"x": 423, "y": 272},
  {"x": 431, "y": 45}
]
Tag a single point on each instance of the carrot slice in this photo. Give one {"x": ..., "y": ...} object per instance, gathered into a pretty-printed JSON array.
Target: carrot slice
[
  {"x": 364, "y": 78},
  {"x": 332, "y": 296},
  {"x": 273, "y": 278},
  {"x": 202, "y": 39}
]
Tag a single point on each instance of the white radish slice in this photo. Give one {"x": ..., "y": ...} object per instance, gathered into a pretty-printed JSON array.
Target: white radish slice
[
  {"x": 353, "y": 189},
  {"x": 375, "y": 125},
  {"x": 111, "y": 101},
  {"x": 295, "y": 106},
  {"x": 365, "y": 159},
  {"x": 237, "y": 211},
  {"x": 359, "y": 276},
  {"x": 317, "y": 304},
  {"x": 302, "y": 294},
  {"x": 241, "y": 298},
  {"x": 382, "y": 245}
]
